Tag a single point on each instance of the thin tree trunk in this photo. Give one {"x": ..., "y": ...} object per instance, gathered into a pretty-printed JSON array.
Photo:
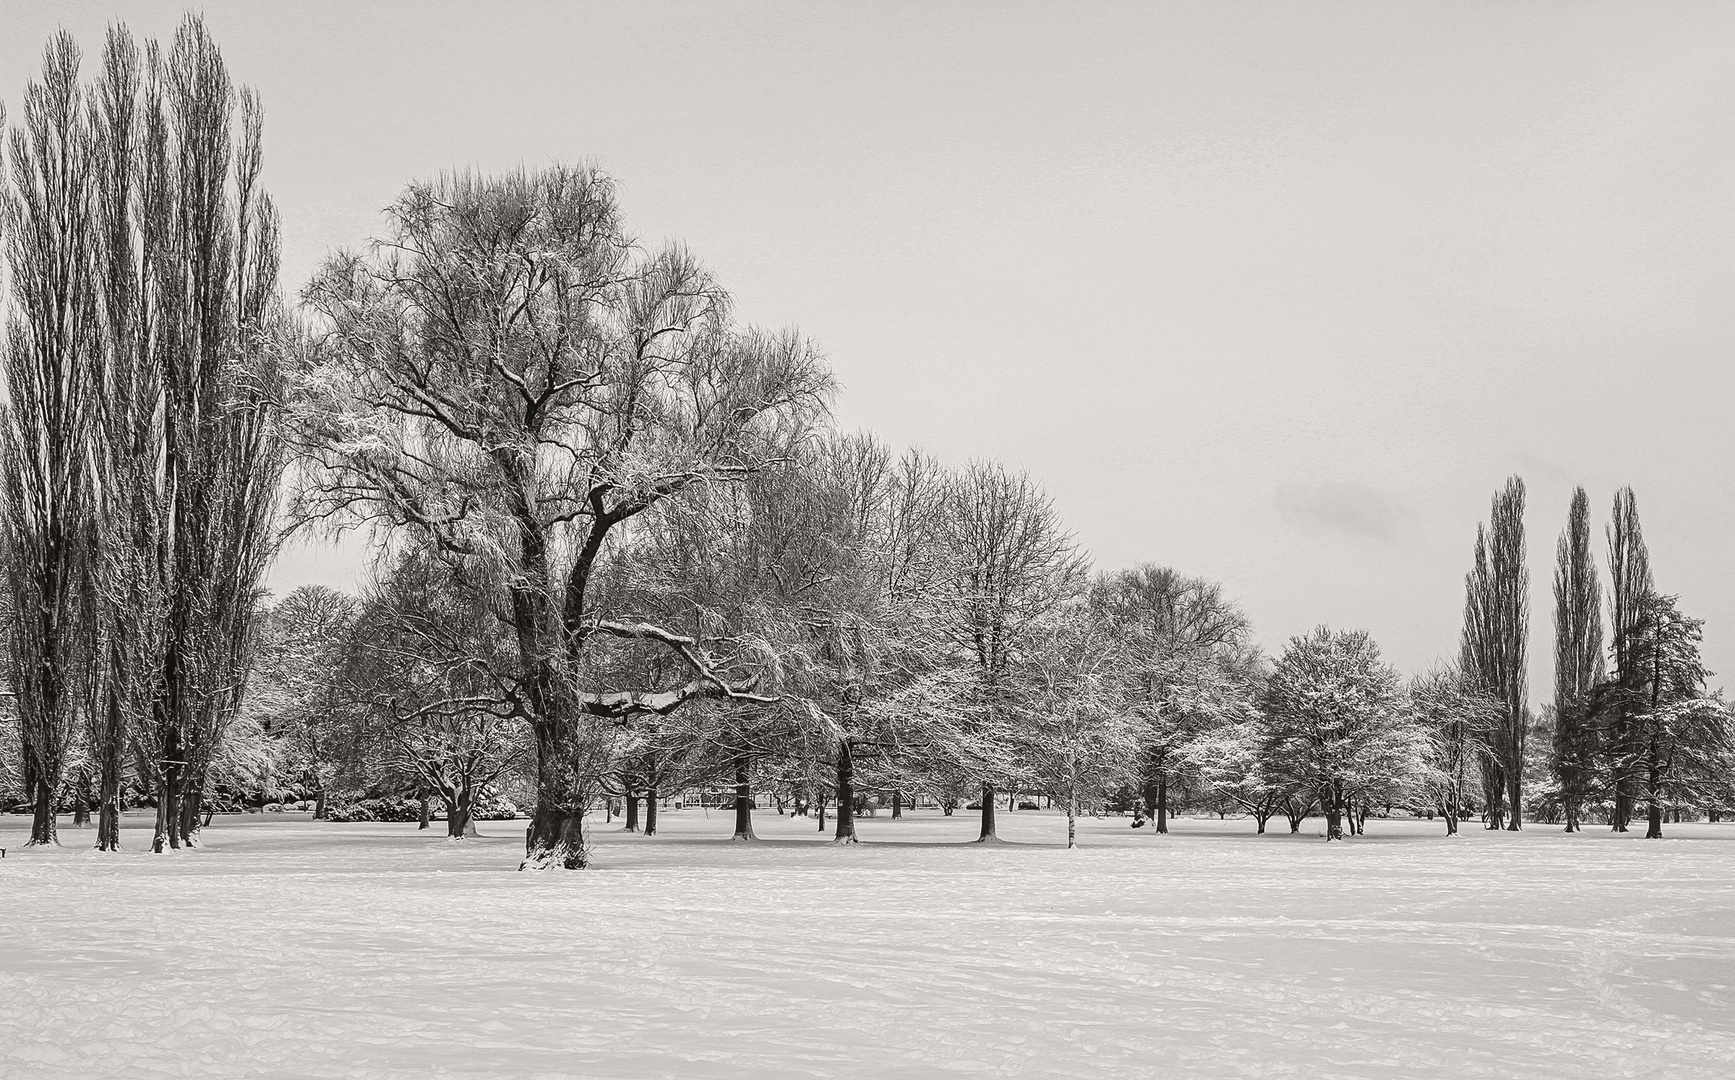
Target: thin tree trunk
[
  {"x": 897, "y": 803},
  {"x": 1163, "y": 801},
  {"x": 1654, "y": 808},
  {"x": 424, "y": 812},
  {"x": 988, "y": 832},
  {"x": 650, "y": 811},
  {"x": 1071, "y": 820},
  {"x": 845, "y": 794}
]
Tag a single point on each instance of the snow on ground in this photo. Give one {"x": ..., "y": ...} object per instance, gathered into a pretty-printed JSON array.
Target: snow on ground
[{"x": 291, "y": 948}]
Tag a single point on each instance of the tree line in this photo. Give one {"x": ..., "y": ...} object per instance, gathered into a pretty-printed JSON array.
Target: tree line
[{"x": 622, "y": 548}]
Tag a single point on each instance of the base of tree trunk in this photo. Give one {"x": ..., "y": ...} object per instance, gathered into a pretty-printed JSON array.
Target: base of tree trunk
[{"x": 555, "y": 841}]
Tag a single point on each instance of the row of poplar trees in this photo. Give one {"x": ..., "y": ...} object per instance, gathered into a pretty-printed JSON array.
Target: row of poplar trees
[
  {"x": 1631, "y": 726},
  {"x": 140, "y": 454}
]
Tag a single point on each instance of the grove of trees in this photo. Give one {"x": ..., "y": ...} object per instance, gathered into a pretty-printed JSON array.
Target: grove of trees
[{"x": 623, "y": 551}]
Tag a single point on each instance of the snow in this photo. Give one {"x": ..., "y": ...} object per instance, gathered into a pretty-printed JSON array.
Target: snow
[{"x": 290, "y": 948}]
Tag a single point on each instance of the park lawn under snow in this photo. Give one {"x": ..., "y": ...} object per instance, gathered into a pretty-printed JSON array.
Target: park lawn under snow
[{"x": 291, "y": 948}]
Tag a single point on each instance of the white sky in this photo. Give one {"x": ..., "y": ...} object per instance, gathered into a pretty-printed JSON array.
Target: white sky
[{"x": 1277, "y": 294}]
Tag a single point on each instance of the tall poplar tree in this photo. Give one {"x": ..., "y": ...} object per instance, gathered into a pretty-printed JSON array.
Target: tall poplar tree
[
  {"x": 1494, "y": 645},
  {"x": 1629, "y": 565},
  {"x": 45, "y": 477},
  {"x": 1578, "y": 659}
]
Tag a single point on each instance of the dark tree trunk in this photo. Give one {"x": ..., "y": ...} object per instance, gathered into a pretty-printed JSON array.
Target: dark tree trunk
[
  {"x": 424, "y": 811},
  {"x": 80, "y": 804},
  {"x": 1515, "y": 800},
  {"x": 820, "y": 802},
  {"x": 1653, "y": 808},
  {"x": 192, "y": 805},
  {"x": 845, "y": 794},
  {"x": 632, "y": 798},
  {"x": 988, "y": 832},
  {"x": 43, "y": 827},
  {"x": 1163, "y": 801},
  {"x": 1332, "y": 800},
  {"x": 109, "y": 776},
  {"x": 743, "y": 801},
  {"x": 897, "y": 803},
  {"x": 320, "y": 811},
  {"x": 460, "y": 811},
  {"x": 555, "y": 838},
  {"x": 650, "y": 811}
]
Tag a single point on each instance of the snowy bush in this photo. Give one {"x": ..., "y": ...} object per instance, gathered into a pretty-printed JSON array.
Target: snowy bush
[{"x": 386, "y": 809}]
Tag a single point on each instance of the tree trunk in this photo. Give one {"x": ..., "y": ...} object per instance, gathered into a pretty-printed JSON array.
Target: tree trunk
[
  {"x": 897, "y": 803},
  {"x": 1653, "y": 808},
  {"x": 188, "y": 821},
  {"x": 1515, "y": 800},
  {"x": 845, "y": 794},
  {"x": 80, "y": 804},
  {"x": 650, "y": 811},
  {"x": 1071, "y": 820},
  {"x": 743, "y": 801},
  {"x": 460, "y": 813},
  {"x": 555, "y": 838},
  {"x": 424, "y": 812},
  {"x": 1332, "y": 800},
  {"x": 988, "y": 832},
  {"x": 632, "y": 798},
  {"x": 1163, "y": 801},
  {"x": 43, "y": 827},
  {"x": 168, "y": 799},
  {"x": 320, "y": 812},
  {"x": 820, "y": 801},
  {"x": 112, "y": 745}
]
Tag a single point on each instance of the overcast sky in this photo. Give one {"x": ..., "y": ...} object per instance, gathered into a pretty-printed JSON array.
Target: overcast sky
[{"x": 1277, "y": 294}]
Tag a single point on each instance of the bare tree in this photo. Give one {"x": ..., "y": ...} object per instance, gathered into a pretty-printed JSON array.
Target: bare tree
[
  {"x": 506, "y": 378},
  {"x": 423, "y": 683},
  {"x": 307, "y": 641},
  {"x": 46, "y": 485},
  {"x": 1494, "y": 646},
  {"x": 1077, "y": 742},
  {"x": 1009, "y": 563},
  {"x": 1458, "y": 719},
  {"x": 1629, "y": 566},
  {"x": 1578, "y": 659},
  {"x": 1190, "y": 645},
  {"x": 1333, "y": 720}
]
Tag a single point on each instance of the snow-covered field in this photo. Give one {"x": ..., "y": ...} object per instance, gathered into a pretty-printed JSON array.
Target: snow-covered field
[{"x": 289, "y": 948}]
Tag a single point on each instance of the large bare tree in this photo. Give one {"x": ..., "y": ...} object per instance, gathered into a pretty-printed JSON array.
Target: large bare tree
[{"x": 507, "y": 377}]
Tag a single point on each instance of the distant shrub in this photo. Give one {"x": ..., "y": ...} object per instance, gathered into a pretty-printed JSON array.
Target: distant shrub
[
  {"x": 1028, "y": 804},
  {"x": 493, "y": 806},
  {"x": 391, "y": 808}
]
